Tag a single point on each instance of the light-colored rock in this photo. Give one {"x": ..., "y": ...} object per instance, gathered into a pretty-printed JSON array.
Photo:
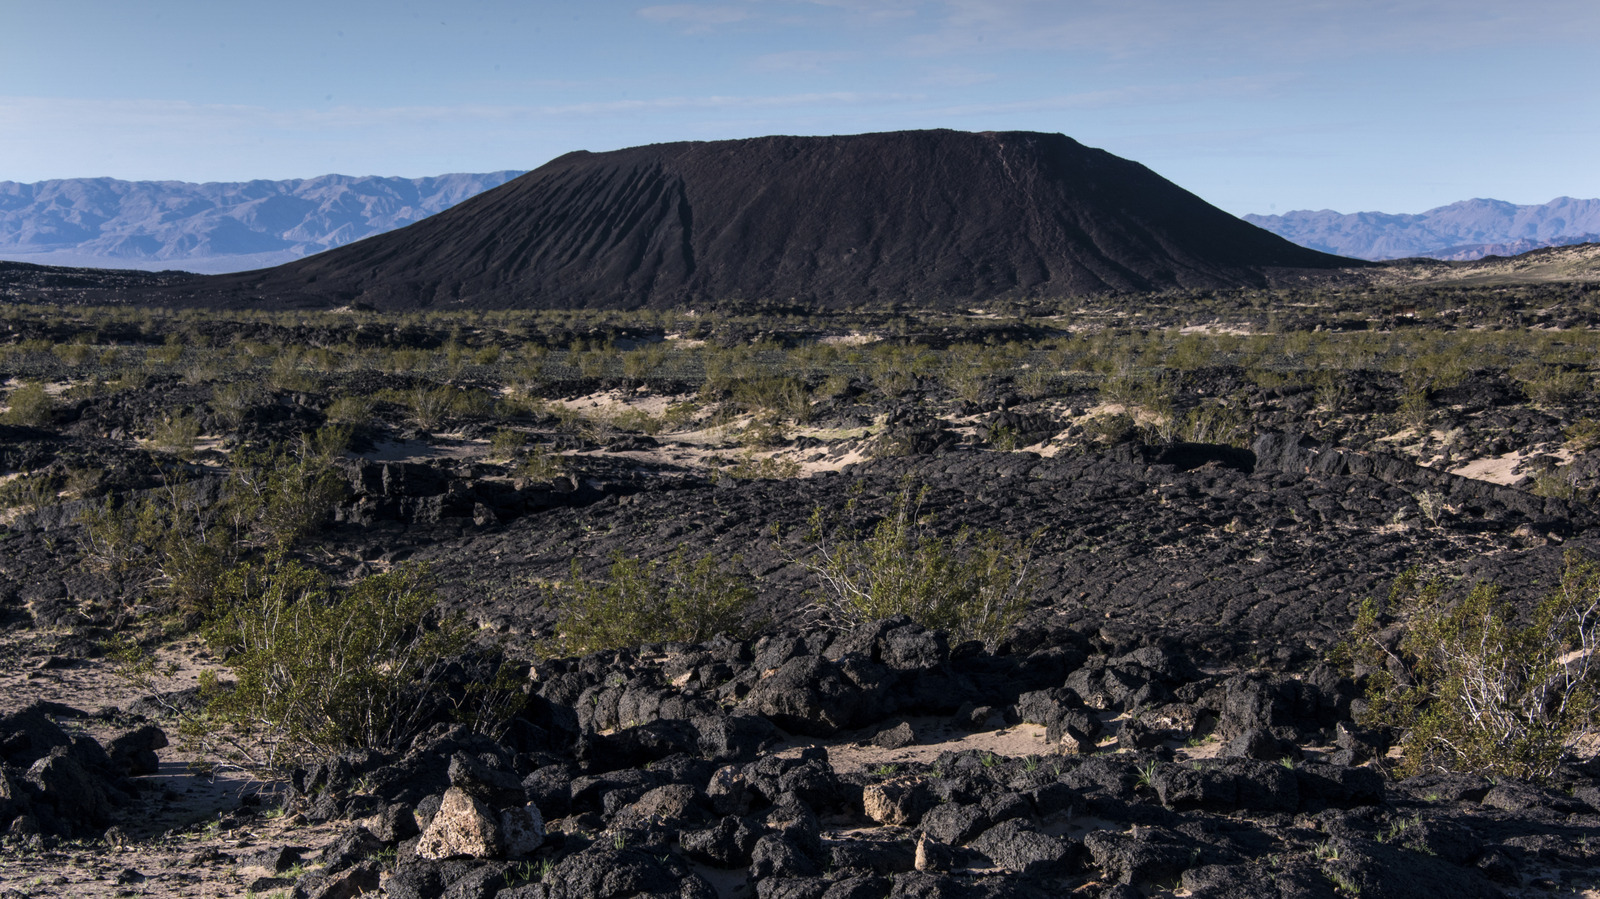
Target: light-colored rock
[
  {"x": 463, "y": 826},
  {"x": 522, "y": 830},
  {"x": 933, "y": 855},
  {"x": 896, "y": 803}
]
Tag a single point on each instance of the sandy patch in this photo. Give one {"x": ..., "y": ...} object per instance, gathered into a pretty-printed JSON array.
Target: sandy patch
[
  {"x": 1503, "y": 470},
  {"x": 934, "y": 736}
]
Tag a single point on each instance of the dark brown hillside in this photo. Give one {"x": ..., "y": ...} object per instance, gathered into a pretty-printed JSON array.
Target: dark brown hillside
[{"x": 929, "y": 217}]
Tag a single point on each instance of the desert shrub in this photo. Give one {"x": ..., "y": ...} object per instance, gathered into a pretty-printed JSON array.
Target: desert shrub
[
  {"x": 168, "y": 544},
  {"x": 168, "y": 353},
  {"x": 1215, "y": 421},
  {"x": 541, "y": 465},
  {"x": 648, "y": 602},
  {"x": 176, "y": 434},
  {"x": 431, "y": 407},
  {"x": 29, "y": 405},
  {"x": 504, "y": 443},
  {"x": 1415, "y": 412},
  {"x": 1556, "y": 483},
  {"x": 1110, "y": 429},
  {"x": 320, "y": 670},
  {"x": 780, "y": 395},
  {"x": 75, "y": 353},
  {"x": 28, "y": 492},
  {"x": 279, "y": 495},
  {"x": 974, "y": 585},
  {"x": 636, "y": 421},
  {"x": 1549, "y": 385},
  {"x": 753, "y": 467},
  {"x": 1583, "y": 435},
  {"x": 1332, "y": 392},
  {"x": 1470, "y": 685},
  {"x": 763, "y": 431},
  {"x": 350, "y": 410},
  {"x": 643, "y": 362},
  {"x": 231, "y": 402},
  {"x": 174, "y": 543},
  {"x": 1036, "y": 383}
]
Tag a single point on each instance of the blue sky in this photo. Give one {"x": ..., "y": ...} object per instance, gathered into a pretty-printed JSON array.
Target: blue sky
[{"x": 1255, "y": 105}]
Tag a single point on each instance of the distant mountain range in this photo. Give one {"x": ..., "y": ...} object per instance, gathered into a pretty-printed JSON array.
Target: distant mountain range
[
  {"x": 213, "y": 227},
  {"x": 1470, "y": 229}
]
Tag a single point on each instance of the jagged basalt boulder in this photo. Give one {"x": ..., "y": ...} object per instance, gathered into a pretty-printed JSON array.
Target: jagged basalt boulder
[{"x": 463, "y": 826}]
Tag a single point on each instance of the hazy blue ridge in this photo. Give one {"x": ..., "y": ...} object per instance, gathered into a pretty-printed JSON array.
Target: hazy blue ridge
[
  {"x": 1470, "y": 229},
  {"x": 217, "y": 226}
]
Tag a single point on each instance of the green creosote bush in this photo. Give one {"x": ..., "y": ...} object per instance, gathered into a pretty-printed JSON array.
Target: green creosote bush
[
  {"x": 1415, "y": 411},
  {"x": 28, "y": 492},
  {"x": 753, "y": 467},
  {"x": 174, "y": 544},
  {"x": 648, "y": 602},
  {"x": 431, "y": 407},
  {"x": 230, "y": 402},
  {"x": 320, "y": 670},
  {"x": 974, "y": 585},
  {"x": 176, "y": 434},
  {"x": 1551, "y": 385},
  {"x": 355, "y": 411},
  {"x": 541, "y": 465},
  {"x": 168, "y": 545},
  {"x": 1583, "y": 435},
  {"x": 1217, "y": 422},
  {"x": 1474, "y": 687},
  {"x": 1556, "y": 483},
  {"x": 30, "y": 405},
  {"x": 504, "y": 443}
]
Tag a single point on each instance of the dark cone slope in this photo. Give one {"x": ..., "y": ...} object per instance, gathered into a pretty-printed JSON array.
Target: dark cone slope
[{"x": 926, "y": 217}]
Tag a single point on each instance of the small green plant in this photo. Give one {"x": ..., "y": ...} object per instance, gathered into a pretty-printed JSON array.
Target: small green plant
[
  {"x": 540, "y": 465},
  {"x": 1583, "y": 435},
  {"x": 350, "y": 410},
  {"x": 29, "y": 405},
  {"x": 648, "y": 602},
  {"x": 29, "y": 493},
  {"x": 1325, "y": 851},
  {"x": 973, "y": 585},
  {"x": 1432, "y": 504},
  {"x": 1415, "y": 412},
  {"x": 751, "y": 467},
  {"x": 1343, "y": 882},
  {"x": 176, "y": 434},
  {"x": 1003, "y": 439},
  {"x": 1472, "y": 685},
  {"x": 231, "y": 402},
  {"x": 885, "y": 770},
  {"x": 505, "y": 443},
  {"x": 1147, "y": 774},
  {"x": 1556, "y": 483},
  {"x": 431, "y": 407}
]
